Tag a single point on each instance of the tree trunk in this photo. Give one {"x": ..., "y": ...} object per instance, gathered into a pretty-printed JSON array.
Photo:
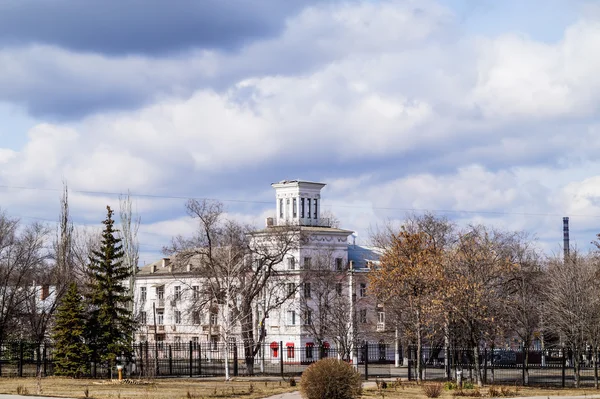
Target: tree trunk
[
  {"x": 478, "y": 376},
  {"x": 419, "y": 348},
  {"x": 576, "y": 370},
  {"x": 525, "y": 366},
  {"x": 595, "y": 366}
]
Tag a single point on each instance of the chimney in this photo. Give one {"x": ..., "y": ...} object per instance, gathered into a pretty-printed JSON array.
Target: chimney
[
  {"x": 45, "y": 292},
  {"x": 165, "y": 262},
  {"x": 351, "y": 265},
  {"x": 269, "y": 222},
  {"x": 189, "y": 267},
  {"x": 566, "y": 237},
  {"x": 152, "y": 268}
]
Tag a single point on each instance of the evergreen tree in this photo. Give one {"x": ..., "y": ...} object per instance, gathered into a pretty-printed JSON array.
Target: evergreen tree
[
  {"x": 71, "y": 354},
  {"x": 111, "y": 323}
]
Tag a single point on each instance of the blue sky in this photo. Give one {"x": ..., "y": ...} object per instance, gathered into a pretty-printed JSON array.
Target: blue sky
[{"x": 484, "y": 110}]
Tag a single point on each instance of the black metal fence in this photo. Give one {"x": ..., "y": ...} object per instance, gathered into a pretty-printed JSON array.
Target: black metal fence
[{"x": 553, "y": 367}]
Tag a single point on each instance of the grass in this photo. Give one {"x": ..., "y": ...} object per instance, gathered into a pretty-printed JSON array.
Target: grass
[
  {"x": 159, "y": 389},
  {"x": 410, "y": 390}
]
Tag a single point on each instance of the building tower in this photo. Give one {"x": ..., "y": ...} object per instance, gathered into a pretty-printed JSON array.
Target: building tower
[{"x": 298, "y": 203}]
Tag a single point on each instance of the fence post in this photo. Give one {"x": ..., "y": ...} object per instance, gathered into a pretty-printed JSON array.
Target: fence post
[
  {"x": 564, "y": 365},
  {"x": 21, "y": 359},
  {"x": 366, "y": 355},
  {"x": 485, "y": 357},
  {"x": 235, "y": 360},
  {"x": 191, "y": 353},
  {"x": 200, "y": 359},
  {"x": 281, "y": 357},
  {"x": 38, "y": 354}
]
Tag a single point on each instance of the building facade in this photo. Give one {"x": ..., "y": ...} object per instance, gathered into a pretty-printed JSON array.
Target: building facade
[{"x": 326, "y": 286}]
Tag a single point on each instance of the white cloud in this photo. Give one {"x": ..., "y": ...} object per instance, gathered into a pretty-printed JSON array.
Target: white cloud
[{"x": 426, "y": 118}]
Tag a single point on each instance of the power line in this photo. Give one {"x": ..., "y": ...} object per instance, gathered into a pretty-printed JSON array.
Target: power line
[{"x": 333, "y": 204}]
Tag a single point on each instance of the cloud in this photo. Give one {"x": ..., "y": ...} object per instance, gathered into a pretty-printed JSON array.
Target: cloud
[
  {"x": 142, "y": 27},
  {"x": 390, "y": 102}
]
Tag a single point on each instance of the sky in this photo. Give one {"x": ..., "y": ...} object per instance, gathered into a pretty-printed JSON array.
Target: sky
[{"x": 482, "y": 111}]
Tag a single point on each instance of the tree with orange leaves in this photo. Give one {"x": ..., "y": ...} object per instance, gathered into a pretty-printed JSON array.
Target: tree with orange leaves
[{"x": 409, "y": 278}]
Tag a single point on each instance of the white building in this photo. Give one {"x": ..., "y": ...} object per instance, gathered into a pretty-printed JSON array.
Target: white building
[{"x": 164, "y": 294}]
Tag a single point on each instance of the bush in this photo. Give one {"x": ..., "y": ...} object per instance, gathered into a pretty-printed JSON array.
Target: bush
[
  {"x": 449, "y": 385},
  {"x": 330, "y": 379},
  {"x": 432, "y": 390}
]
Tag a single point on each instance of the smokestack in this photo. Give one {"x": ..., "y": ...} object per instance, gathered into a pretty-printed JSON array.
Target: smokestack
[{"x": 566, "y": 237}]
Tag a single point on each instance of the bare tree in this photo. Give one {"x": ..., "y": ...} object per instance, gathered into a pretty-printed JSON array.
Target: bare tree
[
  {"x": 475, "y": 285},
  {"x": 237, "y": 266},
  {"x": 22, "y": 256},
  {"x": 570, "y": 305},
  {"x": 524, "y": 295},
  {"x": 130, "y": 224}
]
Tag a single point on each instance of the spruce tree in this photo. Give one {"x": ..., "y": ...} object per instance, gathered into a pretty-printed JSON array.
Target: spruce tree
[
  {"x": 111, "y": 325},
  {"x": 71, "y": 353}
]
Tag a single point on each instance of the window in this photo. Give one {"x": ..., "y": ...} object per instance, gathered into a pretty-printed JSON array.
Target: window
[
  {"x": 178, "y": 317},
  {"x": 291, "y": 289},
  {"x": 160, "y": 292},
  {"x": 291, "y": 263},
  {"x": 309, "y": 350},
  {"x": 195, "y": 317},
  {"x": 307, "y": 262},
  {"x": 177, "y": 341},
  {"x": 195, "y": 342},
  {"x": 363, "y": 290},
  {"x": 306, "y": 290},
  {"x": 195, "y": 292},
  {"x": 338, "y": 288},
  {"x": 214, "y": 315},
  {"x": 307, "y": 317},
  {"x": 214, "y": 341},
  {"x": 380, "y": 316},
  {"x": 294, "y": 208},
  {"x": 281, "y": 208},
  {"x": 160, "y": 317},
  {"x": 308, "y": 213},
  {"x": 339, "y": 264},
  {"x": 177, "y": 292},
  {"x": 290, "y": 350},
  {"x": 143, "y": 318},
  {"x": 287, "y": 208},
  {"x": 143, "y": 294},
  {"x": 291, "y": 321},
  {"x": 316, "y": 208},
  {"x": 362, "y": 317},
  {"x": 302, "y": 208}
]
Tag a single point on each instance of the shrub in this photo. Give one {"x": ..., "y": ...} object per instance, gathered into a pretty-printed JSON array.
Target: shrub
[
  {"x": 468, "y": 385},
  {"x": 449, "y": 385},
  {"x": 292, "y": 382},
  {"x": 432, "y": 390},
  {"x": 330, "y": 379}
]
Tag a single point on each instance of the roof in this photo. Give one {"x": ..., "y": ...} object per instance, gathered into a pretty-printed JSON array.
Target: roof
[
  {"x": 308, "y": 229},
  {"x": 360, "y": 255},
  {"x": 297, "y": 182},
  {"x": 164, "y": 267}
]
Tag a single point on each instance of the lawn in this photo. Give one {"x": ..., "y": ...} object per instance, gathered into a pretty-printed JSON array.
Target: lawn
[
  {"x": 160, "y": 388},
  {"x": 413, "y": 391},
  {"x": 244, "y": 388}
]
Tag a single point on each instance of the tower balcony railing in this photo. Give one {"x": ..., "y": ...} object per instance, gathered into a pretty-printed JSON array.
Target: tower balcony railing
[{"x": 320, "y": 222}]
